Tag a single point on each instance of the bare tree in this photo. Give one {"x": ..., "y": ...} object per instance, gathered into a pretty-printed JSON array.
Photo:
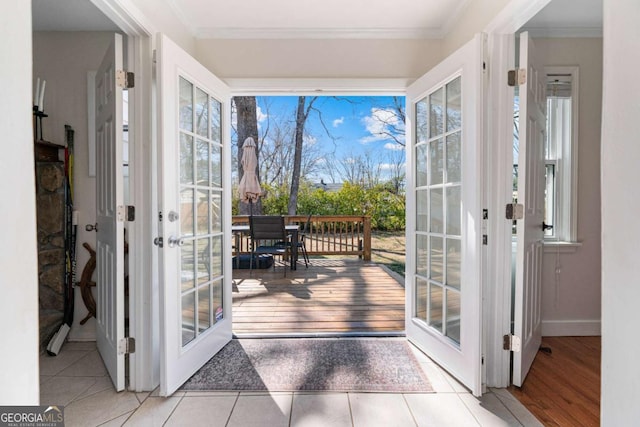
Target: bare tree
[
  {"x": 302, "y": 113},
  {"x": 247, "y": 126}
]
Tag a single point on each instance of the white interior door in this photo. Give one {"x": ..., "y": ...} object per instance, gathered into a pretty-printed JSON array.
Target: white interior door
[
  {"x": 195, "y": 208},
  {"x": 110, "y": 233},
  {"x": 528, "y": 287},
  {"x": 444, "y": 214}
]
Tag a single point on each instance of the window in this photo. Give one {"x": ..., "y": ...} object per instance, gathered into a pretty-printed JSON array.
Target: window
[{"x": 561, "y": 154}]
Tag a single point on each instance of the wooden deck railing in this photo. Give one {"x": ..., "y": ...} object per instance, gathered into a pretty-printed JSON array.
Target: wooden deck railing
[{"x": 326, "y": 234}]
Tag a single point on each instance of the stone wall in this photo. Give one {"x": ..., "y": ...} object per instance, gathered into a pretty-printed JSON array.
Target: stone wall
[{"x": 50, "y": 220}]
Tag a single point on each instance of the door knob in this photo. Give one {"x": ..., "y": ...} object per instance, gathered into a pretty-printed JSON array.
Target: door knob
[
  {"x": 546, "y": 227},
  {"x": 175, "y": 241}
]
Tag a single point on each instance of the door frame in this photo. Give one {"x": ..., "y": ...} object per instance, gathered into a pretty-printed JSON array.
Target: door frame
[{"x": 144, "y": 364}]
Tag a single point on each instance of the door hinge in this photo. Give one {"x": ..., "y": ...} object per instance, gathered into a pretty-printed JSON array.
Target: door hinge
[
  {"x": 511, "y": 343},
  {"x": 125, "y": 79},
  {"x": 517, "y": 77},
  {"x": 514, "y": 211},
  {"x": 485, "y": 239},
  {"x": 126, "y": 213},
  {"x": 127, "y": 345}
]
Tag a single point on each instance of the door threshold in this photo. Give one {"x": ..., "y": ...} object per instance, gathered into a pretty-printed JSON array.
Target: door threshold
[{"x": 274, "y": 335}]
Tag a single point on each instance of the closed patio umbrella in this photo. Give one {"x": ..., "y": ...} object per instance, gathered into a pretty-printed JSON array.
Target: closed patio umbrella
[{"x": 249, "y": 188}]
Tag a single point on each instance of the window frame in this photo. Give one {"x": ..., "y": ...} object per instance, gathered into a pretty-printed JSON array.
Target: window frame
[{"x": 566, "y": 171}]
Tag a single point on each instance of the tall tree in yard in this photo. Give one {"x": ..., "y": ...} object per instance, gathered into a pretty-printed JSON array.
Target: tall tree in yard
[
  {"x": 302, "y": 113},
  {"x": 247, "y": 127}
]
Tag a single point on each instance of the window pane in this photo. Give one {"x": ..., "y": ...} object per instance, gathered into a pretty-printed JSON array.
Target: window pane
[
  {"x": 453, "y": 315},
  {"x": 435, "y": 306},
  {"x": 186, "y": 105},
  {"x": 550, "y": 199},
  {"x": 421, "y": 165},
  {"x": 454, "y": 207},
  {"x": 454, "y": 158},
  {"x": 188, "y": 317},
  {"x": 435, "y": 113},
  {"x": 216, "y": 166},
  {"x": 187, "y": 265},
  {"x": 186, "y": 212},
  {"x": 436, "y": 160},
  {"x": 204, "y": 308},
  {"x": 216, "y": 211},
  {"x": 421, "y": 121},
  {"x": 422, "y": 289},
  {"x": 435, "y": 257},
  {"x": 203, "y": 211},
  {"x": 453, "y": 263},
  {"x": 216, "y": 302},
  {"x": 422, "y": 257},
  {"x": 436, "y": 211},
  {"x": 422, "y": 207},
  {"x": 202, "y": 162},
  {"x": 202, "y": 113},
  {"x": 186, "y": 159},
  {"x": 215, "y": 260},
  {"x": 216, "y": 114},
  {"x": 203, "y": 246},
  {"x": 454, "y": 105}
]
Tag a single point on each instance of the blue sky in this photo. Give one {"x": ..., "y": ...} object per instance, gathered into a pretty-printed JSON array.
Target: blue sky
[{"x": 352, "y": 124}]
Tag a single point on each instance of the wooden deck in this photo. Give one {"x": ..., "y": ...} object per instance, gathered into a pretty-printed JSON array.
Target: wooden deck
[{"x": 331, "y": 296}]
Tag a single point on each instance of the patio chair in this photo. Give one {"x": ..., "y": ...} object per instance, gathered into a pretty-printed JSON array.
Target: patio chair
[{"x": 271, "y": 230}]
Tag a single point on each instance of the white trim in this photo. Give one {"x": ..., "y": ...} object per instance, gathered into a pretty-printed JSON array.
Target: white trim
[
  {"x": 127, "y": 16},
  {"x": 554, "y": 246},
  {"x": 569, "y": 32},
  {"x": 571, "y": 328},
  {"x": 514, "y": 15},
  {"x": 319, "y": 33},
  {"x": 303, "y": 86}
]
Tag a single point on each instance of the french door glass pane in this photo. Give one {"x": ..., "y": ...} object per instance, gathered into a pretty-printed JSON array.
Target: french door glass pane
[
  {"x": 453, "y": 315},
  {"x": 438, "y": 195},
  {"x": 204, "y": 308},
  {"x": 200, "y": 210},
  {"x": 188, "y": 317},
  {"x": 435, "y": 306}
]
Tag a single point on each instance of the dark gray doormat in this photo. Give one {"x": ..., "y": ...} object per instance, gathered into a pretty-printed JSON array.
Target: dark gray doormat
[{"x": 317, "y": 364}]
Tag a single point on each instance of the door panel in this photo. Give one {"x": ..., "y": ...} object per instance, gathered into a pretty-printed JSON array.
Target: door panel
[
  {"x": 529, "y": 234},
  {"x": 444, "y": 217},
  {"x": 195, "y": 208},
  {"x": 110, "y": 232}
]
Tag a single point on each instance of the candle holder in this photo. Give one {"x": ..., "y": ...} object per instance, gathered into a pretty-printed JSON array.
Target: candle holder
[{"x": 37, "y": 123}]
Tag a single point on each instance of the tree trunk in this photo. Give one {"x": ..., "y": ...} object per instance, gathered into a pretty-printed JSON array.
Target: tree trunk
[
  {"x": 247, "y": 127},
  {"x": 301, "y": 118}
]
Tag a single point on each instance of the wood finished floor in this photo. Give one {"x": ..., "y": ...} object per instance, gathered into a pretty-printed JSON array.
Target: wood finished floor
[
  {"x": 563, "y": 388},
  {"x": 330, "y": 296}
]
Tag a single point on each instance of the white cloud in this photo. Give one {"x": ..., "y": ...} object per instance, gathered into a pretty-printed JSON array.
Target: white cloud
[
  {"x": 393, "y": 146},
  {"x": 260, "y": 115},
  {"x": 390, "y": 166},
  {"x": 338, "y": 122},
  {"x": 382, "y": 124}
]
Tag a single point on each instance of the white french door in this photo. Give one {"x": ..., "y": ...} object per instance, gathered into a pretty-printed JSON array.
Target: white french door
[
  {"x": 444, "y": 213},
  {"x": 531, "y": 187},
  {"x": 110, "y": 228},
  {"x": 195, "y": 214}
]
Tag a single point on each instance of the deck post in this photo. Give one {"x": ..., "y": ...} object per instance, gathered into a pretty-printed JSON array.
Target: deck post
[{"x": 366, "y": 253}]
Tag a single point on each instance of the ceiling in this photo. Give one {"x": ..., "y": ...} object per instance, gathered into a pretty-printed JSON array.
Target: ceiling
[{"x": 319, "y": 19}]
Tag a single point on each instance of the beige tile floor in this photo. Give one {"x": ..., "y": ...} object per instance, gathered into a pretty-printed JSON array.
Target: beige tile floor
[{"x": 77, "y": 379}]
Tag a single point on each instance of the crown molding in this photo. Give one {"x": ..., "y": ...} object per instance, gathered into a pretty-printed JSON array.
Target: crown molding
[
  {"x": 315, "y": 86},
  {"x": 318, "y": 33},
  {"x": 566, "y": 32}
]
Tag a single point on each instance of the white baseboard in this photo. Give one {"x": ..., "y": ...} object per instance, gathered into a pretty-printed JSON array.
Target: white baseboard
[{"x": 570, "y": 328}]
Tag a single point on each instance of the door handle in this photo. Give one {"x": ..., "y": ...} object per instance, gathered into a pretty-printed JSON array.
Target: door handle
[
  {"x": 175, "y": 241},
  {"x": 546, "y": 227}
]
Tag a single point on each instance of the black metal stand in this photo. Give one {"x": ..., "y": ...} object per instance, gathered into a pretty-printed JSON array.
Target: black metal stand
[{"x": 37, "y": 123}]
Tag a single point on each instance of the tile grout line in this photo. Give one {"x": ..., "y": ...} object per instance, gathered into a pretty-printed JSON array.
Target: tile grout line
[{"x": 232, "y": 409}]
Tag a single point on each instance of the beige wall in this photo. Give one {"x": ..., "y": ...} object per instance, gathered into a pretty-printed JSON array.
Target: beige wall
[
  {"x": 571, "y": 298},
  {"x": 333, "y": 58},
  {"x": 63, "y": 60}
]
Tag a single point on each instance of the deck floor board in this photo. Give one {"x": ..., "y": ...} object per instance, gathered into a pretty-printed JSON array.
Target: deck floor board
[{"x": 341, "y": 296}]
